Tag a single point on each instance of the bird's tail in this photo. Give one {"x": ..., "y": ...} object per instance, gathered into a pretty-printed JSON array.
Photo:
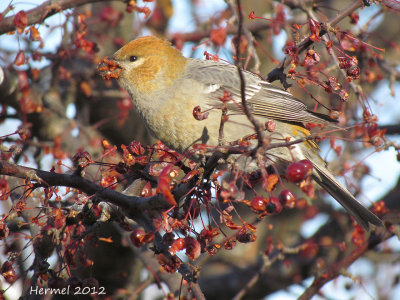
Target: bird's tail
[{"x": 326, "y": 180}]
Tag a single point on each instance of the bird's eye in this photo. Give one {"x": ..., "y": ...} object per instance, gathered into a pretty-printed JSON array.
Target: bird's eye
[{"x": 133, "y": 58}]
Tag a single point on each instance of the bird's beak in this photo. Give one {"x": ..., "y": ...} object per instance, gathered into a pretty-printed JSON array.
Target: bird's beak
[{"x": 109, "y": 68}]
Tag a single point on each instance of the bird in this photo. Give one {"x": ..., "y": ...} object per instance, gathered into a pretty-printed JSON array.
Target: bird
[{"x": 167, "y": 89}]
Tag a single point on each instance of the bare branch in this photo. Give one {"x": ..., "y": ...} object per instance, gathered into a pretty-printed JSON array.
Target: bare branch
[
  {"x": 44, "y": 11},
  {"x": 338, "y": 267}
]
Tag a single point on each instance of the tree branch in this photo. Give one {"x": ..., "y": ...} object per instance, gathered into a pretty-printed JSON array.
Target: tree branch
[
  {"x": 44, "y": 11},
  {"x": 133, "y": 205}
]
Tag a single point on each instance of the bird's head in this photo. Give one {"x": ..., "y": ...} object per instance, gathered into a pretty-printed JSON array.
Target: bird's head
[{"x": 145, "y": 65}]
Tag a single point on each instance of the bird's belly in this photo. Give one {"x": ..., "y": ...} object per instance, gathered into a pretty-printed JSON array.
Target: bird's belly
[{"x": 175, "y": 125}]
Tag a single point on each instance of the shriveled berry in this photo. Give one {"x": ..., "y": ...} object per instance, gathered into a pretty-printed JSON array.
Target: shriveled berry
[
  {"x": 271, "y": 207},
  {"x": 277, "y": 203}
]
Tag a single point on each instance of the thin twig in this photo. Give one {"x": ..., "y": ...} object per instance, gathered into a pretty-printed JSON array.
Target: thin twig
[
  {"x": 267, "y": 263},
  {"x": 44, "y": 11},
  {"x": 246, "y": 110},
  {"x": 336, "y": 269},
  {"x": 356, "y": 88},
  {"x": 308, "y": 42}
]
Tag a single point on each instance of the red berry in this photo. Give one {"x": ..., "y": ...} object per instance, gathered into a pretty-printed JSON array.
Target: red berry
[
  {"x": 8, "y": 272},
  {"x": 137, "y": 237},
  {"x": 308, "y": 165},
  {"x": 297, "y": 171},
  {"x": 373, "y": 130},
  {"x": 258, "y": 203},
  {"x": 287, "y": 199}
]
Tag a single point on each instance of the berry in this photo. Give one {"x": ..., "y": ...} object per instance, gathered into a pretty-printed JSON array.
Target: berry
[
  {"x": 308, "y": 165},
  {"x": 273, "y": 206},
  {"x": 258, "y": 203},
  {"x": 277, "y": 203},
  {"x": 297, "y": 171},
  {"x": 287, "y": 199},
  {"x": 137, "y": 237}
]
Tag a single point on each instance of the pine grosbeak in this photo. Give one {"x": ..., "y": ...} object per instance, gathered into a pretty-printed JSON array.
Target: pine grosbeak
[{"x": 166, "y": 87}]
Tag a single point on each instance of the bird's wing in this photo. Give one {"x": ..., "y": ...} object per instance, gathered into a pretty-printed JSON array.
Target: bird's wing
[{"x": 263, "y": 99}]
